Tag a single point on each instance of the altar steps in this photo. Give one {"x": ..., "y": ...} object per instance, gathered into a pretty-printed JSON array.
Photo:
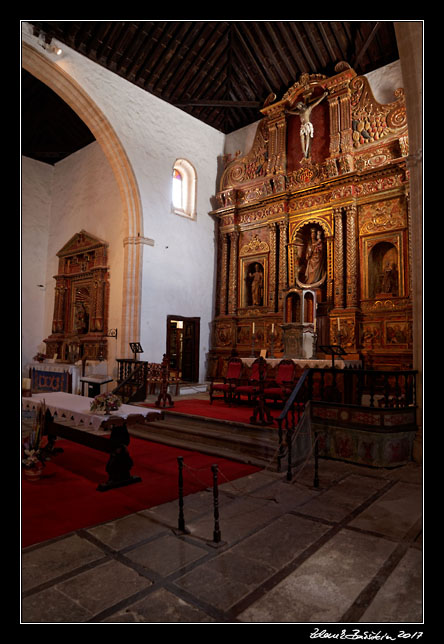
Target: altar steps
[{"x": 254, "y": 445}]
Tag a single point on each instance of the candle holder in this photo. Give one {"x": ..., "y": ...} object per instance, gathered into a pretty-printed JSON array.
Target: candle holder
[
  {"x": 253, "y": 341},
  {"x": 272, "y": 339},
  {"x": 315, "y": 342}
]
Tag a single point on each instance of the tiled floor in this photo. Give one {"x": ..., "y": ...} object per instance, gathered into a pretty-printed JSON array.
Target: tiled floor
[{"x": 348, "y": 552}]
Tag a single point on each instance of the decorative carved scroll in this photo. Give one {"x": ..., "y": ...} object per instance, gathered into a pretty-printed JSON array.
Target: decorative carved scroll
[{"x": 372, "y": 121}]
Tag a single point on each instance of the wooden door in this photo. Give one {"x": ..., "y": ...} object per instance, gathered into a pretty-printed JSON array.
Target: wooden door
[{"x": 183, "y": 346}]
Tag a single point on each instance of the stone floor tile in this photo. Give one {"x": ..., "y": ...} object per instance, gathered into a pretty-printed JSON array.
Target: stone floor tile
[
  {"x": 394, "y": 513},
  {"x": 127, "y": 531},
  {"x": 326, "y": 584},
  {"x": 282, "y": 541},
  {"x": 342, "y": 498},
  {"x": 52, "y": 606},
  {"x": 160, "y": 606},
  {"x": 166, "y": 554},
  {"x": 238, "y": 567},
  {"x": 237, "y": 519},
  {"x": 400, "y": 598},
  {"x": 102, "y": 587},
  {"x": 213, "y": 587},
  {"x": 40, "y": 565}
]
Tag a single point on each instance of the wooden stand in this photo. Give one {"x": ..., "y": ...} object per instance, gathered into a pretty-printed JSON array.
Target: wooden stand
[{"x": 116, "y": 444}]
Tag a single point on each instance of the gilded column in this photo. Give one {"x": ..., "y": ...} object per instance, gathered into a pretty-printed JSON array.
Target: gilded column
[
  {"x": 59, "y": 307},
  {"x": 283, "y": 268},
  {"x": 339, "y": 260},
  {"x": 334, "y": 125},
  {"x": 99, "y": 299},
  {"x": 352, "y": 257},
  {"x": 346, "y": 124},
  {"x": 223, "y": 272},
  {"x": 233, "y": 279},
  {"x": 272, "y": 293}
]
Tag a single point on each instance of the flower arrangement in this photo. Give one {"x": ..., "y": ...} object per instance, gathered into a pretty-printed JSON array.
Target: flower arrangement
[
  {"x": 106, "y": 403},
  {"x": 33, "y": 444}
]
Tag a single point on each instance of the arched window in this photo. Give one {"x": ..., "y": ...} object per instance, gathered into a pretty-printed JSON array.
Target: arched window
[{"x": 184, "y": 189}]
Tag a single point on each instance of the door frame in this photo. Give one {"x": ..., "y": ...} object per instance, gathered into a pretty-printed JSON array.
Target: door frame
[{"x": 196, "y": 325}]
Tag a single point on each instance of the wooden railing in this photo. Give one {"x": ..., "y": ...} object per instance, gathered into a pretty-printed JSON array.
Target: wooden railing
[
  {"x": 355, "y": 387},
  {"x": 133, "y": 388}
]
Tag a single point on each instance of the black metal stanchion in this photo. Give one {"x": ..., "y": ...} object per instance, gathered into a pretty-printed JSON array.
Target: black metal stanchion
[
  {"x": 181, "y": 522},
  {"x": 216, "y": 532},
  {"x": 316, "y": 462}
]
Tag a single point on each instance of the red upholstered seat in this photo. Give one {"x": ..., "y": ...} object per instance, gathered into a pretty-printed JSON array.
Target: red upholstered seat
[
  {"x": 227, "y": 384},
  {"x": 251, "y": 388},
  {"x": 284, "y": 383}
]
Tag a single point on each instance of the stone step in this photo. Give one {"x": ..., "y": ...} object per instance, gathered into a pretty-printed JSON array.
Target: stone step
[{"x": 237, "y": 441}]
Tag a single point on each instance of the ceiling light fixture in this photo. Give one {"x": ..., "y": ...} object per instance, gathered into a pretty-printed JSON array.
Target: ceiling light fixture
[{"x": 45, "y": 41}]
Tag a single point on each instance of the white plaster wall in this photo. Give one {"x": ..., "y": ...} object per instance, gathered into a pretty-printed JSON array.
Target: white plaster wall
[
  {"x": 35, "y": 224},
  {"x": 178, "y": 271},
  {"x": 385, "y": 81}
]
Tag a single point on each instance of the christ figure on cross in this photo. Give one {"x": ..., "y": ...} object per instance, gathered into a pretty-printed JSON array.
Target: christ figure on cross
[{"x": 303, "y": 110}]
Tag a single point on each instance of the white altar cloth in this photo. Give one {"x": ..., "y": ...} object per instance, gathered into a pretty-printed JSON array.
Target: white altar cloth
[
  {"x": 307, "y": 363},
  {"x": 74, "y": 409}
]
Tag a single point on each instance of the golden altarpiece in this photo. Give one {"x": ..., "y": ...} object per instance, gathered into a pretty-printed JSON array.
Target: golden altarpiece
[
  {"x": 313, "y": 229},
  {"x": 79, "y": 325}
]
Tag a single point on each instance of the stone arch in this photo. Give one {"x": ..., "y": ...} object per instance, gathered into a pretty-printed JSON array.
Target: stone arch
[{"x": 76, "y": 97}]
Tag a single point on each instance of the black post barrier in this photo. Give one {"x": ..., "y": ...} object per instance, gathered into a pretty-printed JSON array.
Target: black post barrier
[
  {"x": 216, "y": 532},
  {"x": 316, "y": 459},
  {"x": 289, "y": 436},
  {"x": 181, "y": 522}
]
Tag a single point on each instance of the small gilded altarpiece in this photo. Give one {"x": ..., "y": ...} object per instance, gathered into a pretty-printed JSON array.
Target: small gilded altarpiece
[{"x": 80, "y": 318}]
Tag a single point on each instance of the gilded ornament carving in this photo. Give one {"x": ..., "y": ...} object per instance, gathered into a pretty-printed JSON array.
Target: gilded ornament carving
[
  {"x": 253, "y": 247},
  {"x": 338, "y": 259},
  {"x": 372, "y": 121},
  {"x": 250, "y": 166},
  {"x": 233, "y": 281},
  {"x": 382, "y": 216},
  {"x": 352, "y": 256},
  {"x": 262, "y": 213},
  {"x": 224, "y": 335},
  {"x": 223, "y": 273}
]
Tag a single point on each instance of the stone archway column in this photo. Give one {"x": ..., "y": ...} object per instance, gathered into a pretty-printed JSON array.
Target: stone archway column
[
  {"x": 74, "y": 95},
  {"x": 409, "y": 37}
]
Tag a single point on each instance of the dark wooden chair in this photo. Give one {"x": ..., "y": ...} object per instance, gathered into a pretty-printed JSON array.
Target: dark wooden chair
[
  {"x": 251, "y": 387},
  {"x": 226, "y": 385},
  {"x": 284, "y": 382}
]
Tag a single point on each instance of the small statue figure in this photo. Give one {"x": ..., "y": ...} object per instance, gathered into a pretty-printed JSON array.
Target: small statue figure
[
  {"x": 314, "y": 255},
  {"x": 389, "y": 279},
  {"x": 303, "y": 110},
  {"x": 257, "y": 281}
]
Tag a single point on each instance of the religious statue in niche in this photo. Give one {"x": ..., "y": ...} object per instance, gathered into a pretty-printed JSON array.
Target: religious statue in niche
[
  {"x": 310, "y": 257},
  {"x": 303, "y": 110},
  {"x": 389, "y": 279},
  {"x": 255, "y": 284}
]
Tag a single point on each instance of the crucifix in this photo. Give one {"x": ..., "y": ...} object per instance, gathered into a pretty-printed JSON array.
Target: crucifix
[{"x": 303, "y": 110}]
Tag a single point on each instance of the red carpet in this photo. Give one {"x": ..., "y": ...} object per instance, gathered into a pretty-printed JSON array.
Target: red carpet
[
  {"x": 240, "y": 412},
  {"x": 66, "y": 499}
]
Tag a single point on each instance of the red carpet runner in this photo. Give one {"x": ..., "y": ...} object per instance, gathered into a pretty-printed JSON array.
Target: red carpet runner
[
  {"x": 65, "y": 499},
  {"x": 218, "y": 409}
]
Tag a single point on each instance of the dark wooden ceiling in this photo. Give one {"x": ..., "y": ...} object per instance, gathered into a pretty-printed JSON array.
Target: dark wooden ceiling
[{"x": 220, "y": 72}]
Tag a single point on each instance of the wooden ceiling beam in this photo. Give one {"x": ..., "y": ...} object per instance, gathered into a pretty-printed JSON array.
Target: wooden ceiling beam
[
  {"x": 366, "y": 45},
  {"x": 252, "y": 58}
]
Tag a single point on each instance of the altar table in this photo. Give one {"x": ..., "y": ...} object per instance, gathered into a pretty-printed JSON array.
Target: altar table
[{"x": 69, "y": 417}]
